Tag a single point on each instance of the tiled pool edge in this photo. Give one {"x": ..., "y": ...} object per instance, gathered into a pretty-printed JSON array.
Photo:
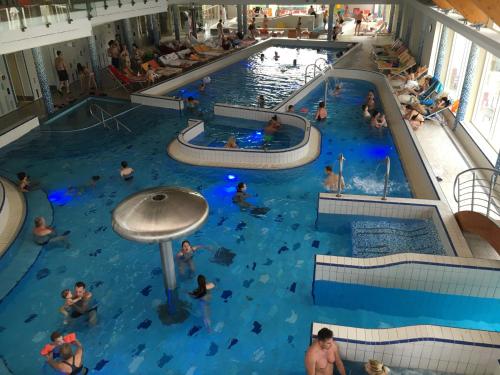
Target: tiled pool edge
[
  {"x": 427, "y": 347},
  {"x": 404, "y": 208},
  {"x": 305, "y": 152},
  {"x": 20, "y": 130}
]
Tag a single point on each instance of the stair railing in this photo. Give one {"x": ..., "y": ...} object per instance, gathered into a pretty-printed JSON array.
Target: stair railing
[{"x": 103, "y": 116}]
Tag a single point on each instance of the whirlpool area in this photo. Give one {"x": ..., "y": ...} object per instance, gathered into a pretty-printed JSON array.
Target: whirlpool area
[{"x": 223, "y": 216}]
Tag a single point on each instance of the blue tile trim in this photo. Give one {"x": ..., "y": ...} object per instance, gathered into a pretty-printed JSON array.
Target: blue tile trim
[
  {"x": 409, "y": 262},
  {"x": 401, "y": 204},
  {"x": 433, "y": 339}
]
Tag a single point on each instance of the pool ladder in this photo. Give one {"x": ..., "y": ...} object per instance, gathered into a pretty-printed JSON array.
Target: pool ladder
[
  {"x": 103, "y": 116},
  {"x": 316, "y": 67},
  {"x": 387, "y": 161}
]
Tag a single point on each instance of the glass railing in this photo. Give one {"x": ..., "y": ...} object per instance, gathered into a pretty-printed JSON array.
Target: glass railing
[{"x": 18, "y": 16}]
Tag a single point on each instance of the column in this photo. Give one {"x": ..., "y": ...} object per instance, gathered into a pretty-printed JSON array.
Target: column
[
  {"x": 467, "y": 85},
  {"x": 155, "y": 29},
  {"x": 239, "y": 11},
  {"x": 245, "y": 18},
  {"x": 94, "y": 60},
  {"x": 409, "y": 26},
  {"x": 194, "y": 25},
  {"x": 441, "y": 55},
  {"x": 127, "y": 33},
  {"x": 176, "y": 15},
  {"x": 399, "y": 21},
  {"x": 331, "y": 11},
  {"x": 423, "y": 32},
  {"x": 391, "y": 17},
  {"x": 42, "y": 79},
  {"x": 149, "y": 26}
]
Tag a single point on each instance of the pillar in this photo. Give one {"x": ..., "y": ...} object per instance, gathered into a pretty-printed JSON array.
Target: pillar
[
  {"x": 127, "y": 33},
  {"x": 245, "y": 18},
  {"x": 194, "y": 24},
  {"x": 399, "y": 21},
  {"x": 168, "y": 265},
  {"x": 423, "y": 32},
  {"x": 331, "y": 12},
  {"x": 497, "y": 165},
  {"x": 441, "y": 55},
  {"x": 149, "y": 26},
  {"x": 391, "y": 17},
  {"x": 155, "y": 29},
  {"x": 176, "y": 16},
  {"x": 467, "y": 85},
  {"x": 42, "y": 79},
  {"x": 239, "y": 11},
  {"x": 409, "y": 26},
  {"x": 94, "y": 59}
]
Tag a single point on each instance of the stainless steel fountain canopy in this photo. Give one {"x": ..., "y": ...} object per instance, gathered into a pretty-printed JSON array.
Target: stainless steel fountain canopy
[{"x": 160, "y": 214}]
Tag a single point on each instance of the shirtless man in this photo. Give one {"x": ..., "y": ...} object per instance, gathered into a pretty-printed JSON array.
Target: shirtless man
[
  {"x": 82, "y": 306},
  {"x": 114, "y": 53},
  {"x": 359, "y": 18},
  {"x": 323, "y": 355},
  {"x": 62, "y": 73},
  {"x": 331, "y": 182}
]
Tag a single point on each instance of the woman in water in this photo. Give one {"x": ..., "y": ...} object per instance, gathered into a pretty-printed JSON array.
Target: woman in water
[
  {"x": 43, "y": 234},
  {"x": 366, "y": 114},
  {"x": 126, "y": 172},
  {"x": 374, "y": 367},
  {"x": 378, "y": 120},
  {"x": 202, "y": 294},
  {"x": 71, "y": 363},
  {"x": 231, "y": 143},
  {"x": 185, "y": 257},
  {"x": 321, "y": 113}
]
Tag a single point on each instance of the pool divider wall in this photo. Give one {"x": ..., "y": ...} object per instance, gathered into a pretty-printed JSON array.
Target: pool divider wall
[
  {"x": 470, "y": 277},
  {"x": 147, "y": 96},
  {"x": 12, "y": 213},
  {"x": 18, "y": 131},
  {"x": 426, "y": 347},
  {"x": 306, "y": 151},
  {"x": 449, "y": 232}
]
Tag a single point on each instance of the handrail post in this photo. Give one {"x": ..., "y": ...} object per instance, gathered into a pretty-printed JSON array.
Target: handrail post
[
  {"x": 458, "y": 192},
  {"x": 326, "y": 89},
  {"x": 386, "y": 179},
  {"x": 492, "y": 186},
  {"x": 339, "y": 182},
  {"x": 473, "y": 189}
]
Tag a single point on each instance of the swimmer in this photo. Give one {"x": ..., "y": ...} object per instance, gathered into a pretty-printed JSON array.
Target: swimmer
[
  {"x": 83, "y": 305},
  {"x": 24, "y": 182},
  {"x": 378, "y": 120},
  {"x": 371, "y": 104},
  {"x": 231, "y": 143},
  {"x": 202, "y": 86},
  {"x": 126, "y": 172},
  {"x": 240, "y": 197},
  {"x": 331, "y": 182},
  {"x": 261, "y": 101},
  {"x": 69, "y": 300},
  {"x": 291, "y": 108},
  {"x": 54, "y": 346},
  {"x": 71, "y": 363},
  {"x": 191, "y": 103},
  {"x": 276, "y": 56},
  {"x": 323, "y": 355},
  {"x": 207, "y": 80},
  {"x": 202, "y": 294},
  {"x": 370, "y": 95},
  {"x": 321, "y": 113},
  {"x": 272, "y": 127},
  {"x": 336, "y": 92},
  {"x": 44, "y": 235},
  {"x": 261, "y": 57},
  {"x": 294, "y": 63},
  {"x": 366, "y": 114},
  {"x": 93, "y": 181},
  {"x": 374, "y": 367},
  {"x": 185, "y": 257}
]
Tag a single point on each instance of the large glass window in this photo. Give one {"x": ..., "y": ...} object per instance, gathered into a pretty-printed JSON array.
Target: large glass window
[
  {"x": 486, "y": 116},
  {"x": 456, "y": 68}
]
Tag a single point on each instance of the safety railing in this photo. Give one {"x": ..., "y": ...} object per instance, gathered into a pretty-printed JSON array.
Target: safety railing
[
  {"x": 478, "y": 190},
  {"x": 317, "y": 68},
  {"x": 103, "y": 116},
  {"x": 386, "y": 177}
]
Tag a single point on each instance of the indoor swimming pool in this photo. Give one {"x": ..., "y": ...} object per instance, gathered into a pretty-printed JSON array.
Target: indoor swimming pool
[{"x": 248, "y": 134}]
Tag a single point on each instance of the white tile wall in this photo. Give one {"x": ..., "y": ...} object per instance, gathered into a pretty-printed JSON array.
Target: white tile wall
[
  {"x": 432, "y": 353},
  {"x": 157, "y": 101}
]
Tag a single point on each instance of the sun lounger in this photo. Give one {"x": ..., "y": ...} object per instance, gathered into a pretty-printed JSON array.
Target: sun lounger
[
  {"x": 168, "y": 71},
  {"x": 173, "y": 60},
  {"x": 154, "y": 65},
  {"x": 405, "y": 58},
  {"x": 123, "y": 80},
  {"x": 400, "y": 69},
  {"x": 208, "y": 51}
]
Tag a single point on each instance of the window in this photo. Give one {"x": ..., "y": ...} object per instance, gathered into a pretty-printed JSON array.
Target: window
[
  {"x": 486, "y": 116},
  {"x": 456, "y": 67}
]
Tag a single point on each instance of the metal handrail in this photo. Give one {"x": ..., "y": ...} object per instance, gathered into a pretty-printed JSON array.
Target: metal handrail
[
  {"x": 316, "y": 66},
  {"x": 339, "y": 182},
  {"x": 102, "y": 119},
  {"x": 472, "y": 192},
  {"x": 386, "y": 177}
]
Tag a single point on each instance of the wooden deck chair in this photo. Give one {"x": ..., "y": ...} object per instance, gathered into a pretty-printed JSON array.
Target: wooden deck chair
[
  {"x": 402, "y": 68},
  {"x": 383, "y": 65}
]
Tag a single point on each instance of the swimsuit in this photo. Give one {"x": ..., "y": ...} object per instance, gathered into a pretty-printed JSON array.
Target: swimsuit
[
  {"x": 63, "y": 75},
  {"x": 76, "y": 369}
]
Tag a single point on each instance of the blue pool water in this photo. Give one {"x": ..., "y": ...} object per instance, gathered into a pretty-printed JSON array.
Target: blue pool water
[
  {"x": 242, "y": 82},
  {"x": 421, "y": 307},
  {"x": 249, "y": 134},
  {"x": 262, "y": 306},
  {"x": 372, "y": 236}
]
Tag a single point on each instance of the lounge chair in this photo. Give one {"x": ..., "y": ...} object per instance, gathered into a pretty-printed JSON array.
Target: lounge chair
[
  {"x": 402, "y": 68},
  {"x": 173, "y": 60},
  {"x": 154, "y": 65},
  {"x": 125, "y": 81},
  {"x": 203, "y": 49},
  {"x": 387, "y": 47},
  {"x": 435, "y": 88},
  {"x": 382, "y": 65},
  {"x": 399, "y": 56}
]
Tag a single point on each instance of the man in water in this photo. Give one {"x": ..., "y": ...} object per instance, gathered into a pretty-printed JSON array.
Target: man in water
[
  {"x": 240, "y": 197},
  {"x": 82, "y": 306},
  {"x": 323, "y": 355},
  {"x": 331, "y": 182}
]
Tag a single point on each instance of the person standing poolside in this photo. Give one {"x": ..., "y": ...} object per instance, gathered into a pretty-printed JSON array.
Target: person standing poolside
[
  {"x": 323, "y": 355},
  {"x": 298, "y": 28},
  {"x": 114, "y": 53},
  {"x": 331, "y": 182},
  {"x": 71, "y": 363},
  {"x": 220, "y": 31},
  {"x": 251, "y": 28},
  {"x": 126, "y": 172},
  {"x": 62, "y": 73},
  {"x": 321, "y": 113},
  {"x": 359, "y": 19},
  {"x": 202, "y": 294},
  {"x": 185, "y": 257},
  {"x": 261, "y": 101}
]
